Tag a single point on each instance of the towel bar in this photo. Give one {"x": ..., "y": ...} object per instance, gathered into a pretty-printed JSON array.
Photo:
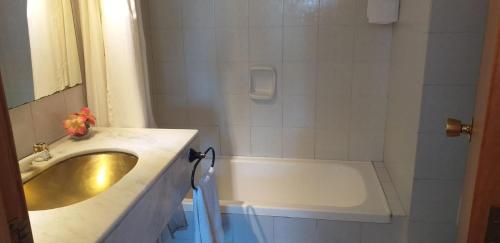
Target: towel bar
[{"x": 199, "y": 156}]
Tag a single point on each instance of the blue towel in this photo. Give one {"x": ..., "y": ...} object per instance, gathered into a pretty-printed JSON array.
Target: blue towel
[{"x": 207, "y": 217}]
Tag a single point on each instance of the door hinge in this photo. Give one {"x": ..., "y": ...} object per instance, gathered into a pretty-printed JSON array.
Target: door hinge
[{"x": 20, "y": 229}]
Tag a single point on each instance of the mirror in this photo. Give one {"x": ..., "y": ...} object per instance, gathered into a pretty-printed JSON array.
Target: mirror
[{"x": 39, "y": 49}]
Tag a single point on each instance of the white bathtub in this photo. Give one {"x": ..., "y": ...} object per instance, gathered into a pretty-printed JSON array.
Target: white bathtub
[{"x": 316, "y": 189}]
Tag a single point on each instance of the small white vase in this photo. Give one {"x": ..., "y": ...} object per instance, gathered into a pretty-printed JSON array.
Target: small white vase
[{"x": 84, "y": 136}]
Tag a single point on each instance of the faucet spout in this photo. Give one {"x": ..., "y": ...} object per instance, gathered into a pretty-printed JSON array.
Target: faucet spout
[{"x": 42, "y": 152}]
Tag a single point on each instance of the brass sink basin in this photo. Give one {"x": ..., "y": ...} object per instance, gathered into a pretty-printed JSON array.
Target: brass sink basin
[{"x": 77, "y": 179}]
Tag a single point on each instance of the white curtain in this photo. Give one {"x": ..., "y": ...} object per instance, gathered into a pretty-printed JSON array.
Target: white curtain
[
  {"x": 54, "y": 52},
  {"x": 116, "y": 78}
]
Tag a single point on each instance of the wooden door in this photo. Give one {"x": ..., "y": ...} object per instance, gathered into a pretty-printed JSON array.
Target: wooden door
[
  {"x": 14, "y": 221},
  {"x": 482, "y": 180},
  {"x": 4, "y": 225}
]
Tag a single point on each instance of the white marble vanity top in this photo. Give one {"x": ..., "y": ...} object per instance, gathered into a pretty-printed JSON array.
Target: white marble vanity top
[{"x": 92, "y": 219}]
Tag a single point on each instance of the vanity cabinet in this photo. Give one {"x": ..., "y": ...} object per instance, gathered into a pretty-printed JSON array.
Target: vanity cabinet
[{"x": 149, "y": 216}]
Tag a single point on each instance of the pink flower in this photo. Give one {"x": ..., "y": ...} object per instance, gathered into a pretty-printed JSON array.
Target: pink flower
[
  {"x": 85, "y": 111},
  {"x": 75, "y": 125},
  {"x": 87, "y": 115}
]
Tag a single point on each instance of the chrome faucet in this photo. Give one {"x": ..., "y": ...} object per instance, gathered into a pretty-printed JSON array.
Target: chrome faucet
[{"x": 42, "y": 152}]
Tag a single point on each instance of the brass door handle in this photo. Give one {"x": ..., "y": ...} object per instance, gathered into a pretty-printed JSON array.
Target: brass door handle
[{"x": 455, "y": 128}]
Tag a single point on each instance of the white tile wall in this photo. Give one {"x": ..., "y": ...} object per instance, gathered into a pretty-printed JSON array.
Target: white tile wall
[
  {"x": 166, "y": 14},
  {"x": 368, "y": 113},
  {"x": 333, "y": 111},
  {"x": 267, "y": 141},
  {"x": 199, "y": 45},
  {"x": 232, "y": 43},
  {"x": 301, "y": 12},
  {"x": 440, "y": 102},
  {"x": 458, "y": 16},
  {"x": 373, "y": 43},
  {"x": 294, "y": 230},
  {"x": 331, "y": 144},
  {"x": 248, "y": 228},
  {"x": 439, "y": 157},
  {"x": 267, "y": 113},
  {"x": 338, "y": 232},
  {"x": 334, "y": 79},
  {"x": 365, "y": 145},
  {"x": 23, "y": 129},
  {"x": 453, "y": 58},
  {"x": 168, "y": 44},
  {"x": 300, "y": 43},
  {"x": 233, "y": 77},
  {"x": 408, "y": 61},
  {"x": 266, "y": 12},
  {"x": 237, "y": 110},
  {"x": 415, "y": 15},
  {"x": 435, "y": 64},
  {"x": 41, "y": 120},
  {"x": 425, "y": 232},
  {"x": 48, "y": 115},
  {"x": 298, "y": 111},
  {"x": 384, "y": 233},
  {"x": 169, "y": 77},
  {"x": 337, "y": 12},
  {"x": 231, "y": 13},
  {"x": 209, "y": 136},
  {"x": 299, "y": 78},
  {"x": 166, "y": 105},
  {"x": 235, "y": 140},
  {"x": 298, "y": 143},
  {"x": 198, "y": 13},
  {"x": 332, "y": 74},
  {"x": 266, "y": 44},
  {"x": 335, "y": 43},
  {"x": 435, "y": 201},
  {"x": 75, "y": 98}
]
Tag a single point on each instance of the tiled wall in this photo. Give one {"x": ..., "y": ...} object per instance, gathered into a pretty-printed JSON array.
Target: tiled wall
[
  {"x": 453, "y": 59},
  {"x": 239, "y": 228},
  {"x": 332, "y": 70},
  {"x": 41, "y": 120},
  {"x": 436, "y": 58},
  {"x": 409, "y": 53}
]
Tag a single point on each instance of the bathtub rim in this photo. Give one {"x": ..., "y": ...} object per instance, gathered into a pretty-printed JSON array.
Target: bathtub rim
[
  {"x": 321, "y": 212},
  {"x": 295, "y": 211}
]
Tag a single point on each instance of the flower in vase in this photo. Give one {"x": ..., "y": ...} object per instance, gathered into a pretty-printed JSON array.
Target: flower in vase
[
  {"x": 75, "y": 125},
  {"x": 78, "y": 124},
  {"x": 87, "y": 115}
]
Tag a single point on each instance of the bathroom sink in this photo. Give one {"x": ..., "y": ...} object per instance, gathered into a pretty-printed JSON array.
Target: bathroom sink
[{"x": 76, "y": 179}]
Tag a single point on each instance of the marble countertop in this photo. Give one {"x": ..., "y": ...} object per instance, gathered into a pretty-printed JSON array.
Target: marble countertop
[{"x": 92, "y": 219}]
